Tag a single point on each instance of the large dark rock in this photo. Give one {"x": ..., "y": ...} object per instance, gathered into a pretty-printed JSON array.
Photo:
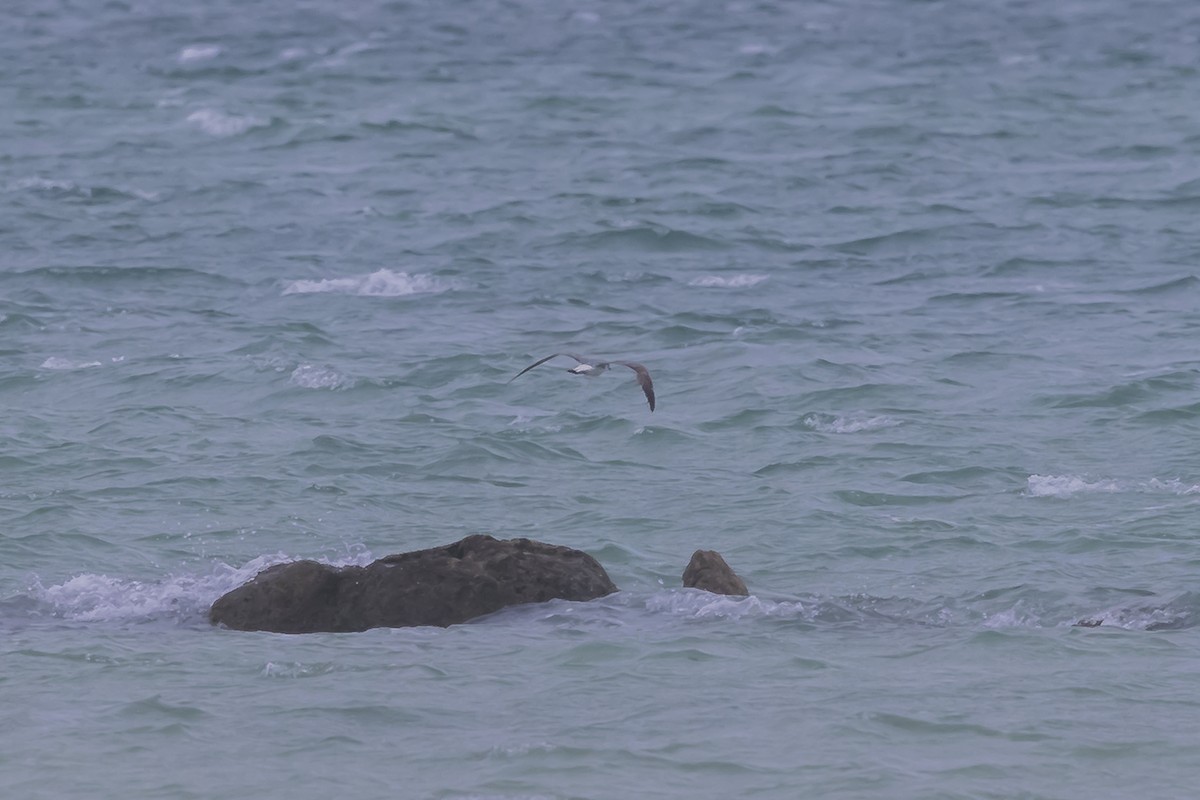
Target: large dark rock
[
  {"x": 708, "y": 571},
  {"x": 440, "y": 586}
]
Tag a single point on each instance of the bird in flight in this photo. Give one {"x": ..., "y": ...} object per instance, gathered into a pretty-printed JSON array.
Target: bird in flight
[{"x": 594, "y": 368}]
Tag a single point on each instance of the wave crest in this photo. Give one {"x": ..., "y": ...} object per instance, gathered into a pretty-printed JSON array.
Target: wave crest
[
  {"x": 830, "y": 423},
  {"x": 727, "y": 282},
  {"x": 311, "y": 376},
  {"x": 199, "y": 52},
  {"x": 381, "y": 283},
  {"x": 54, "y": 362},
  {"x": 218, "y": 123},
  {"x": 1068, "y": 485},
  {"x": 92, "y": 597}
]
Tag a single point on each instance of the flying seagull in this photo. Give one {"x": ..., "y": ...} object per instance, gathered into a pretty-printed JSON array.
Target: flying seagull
[{"x": 594, "y": 368}]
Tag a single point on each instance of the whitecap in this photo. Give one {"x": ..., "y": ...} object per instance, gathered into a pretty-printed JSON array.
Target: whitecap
[
  {"x": 92, "y": 597},
  {"x": 295, "y": 669},
  {"x": 218, "y": 123},
  {"x": 311, "y": 376},
  {"x": 523, "y": 749},
  {"x": 757, "y": 49},
  {"x": 382, "y": 283},
  {"x": 60, "y": 188},
  {"x": 697, "y": 604},
  {"x": 1068, "y": 485},
  {"x": 847, "y": 424},
  {"x": 342, "y": 54},
  {"x": 49, "y": 185},
  {"x": 199, "y": 52},
  {"x": 524, "y": 424},
  {"x": 1173, "y": 486},
  {"x": 54, "y": 362},
  {"x": 727, "y": 282},
  {"x": 629, "y": 276},
  {"x": 1014, "y": 617}
]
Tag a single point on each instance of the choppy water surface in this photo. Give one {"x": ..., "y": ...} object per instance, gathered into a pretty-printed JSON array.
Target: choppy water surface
[{"x": 917, "y": 282}]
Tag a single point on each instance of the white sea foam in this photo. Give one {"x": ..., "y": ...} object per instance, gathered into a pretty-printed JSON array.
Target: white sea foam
[
  {"x": 382, "y": 283},
  {"x": 847, "y": 424},
  {"x": 1068, "y": 485},
  {"x": 1015, "y": 617},
  {"x": 54, "y": 362},
  {"x": 70, "y": 188},
  {"x": 523, "y": 423},
  {"x": 91, "y": 597},
  {"x": 312, "y": 376},
  {"x": 342, "y": 54},
  {"x": 199, "y": 52},
  {"x": 696, "y": 604},
  {"x": 1172, "y": 486},
  {"x": 727, "y": 281},
  {"x": 219, "y": 123},
  {"x": 295, "y": 669},
  {"x": 757, "y": 49},
  {"x": 48, "y": 185},
  {"x": 522, "y": 749},
  {"x": 628, "y": 276}
]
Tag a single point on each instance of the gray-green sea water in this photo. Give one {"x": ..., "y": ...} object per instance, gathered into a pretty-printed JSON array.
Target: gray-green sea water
[{"x": 917, "y": 284}]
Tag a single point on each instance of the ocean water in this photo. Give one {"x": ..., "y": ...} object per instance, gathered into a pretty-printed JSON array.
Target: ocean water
[{"x": 918, "y": 286}]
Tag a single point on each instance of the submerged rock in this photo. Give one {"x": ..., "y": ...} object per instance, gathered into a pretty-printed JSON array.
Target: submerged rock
[
  {"x": 708, "y": 571},
  {"x": 440, "y": 586}
]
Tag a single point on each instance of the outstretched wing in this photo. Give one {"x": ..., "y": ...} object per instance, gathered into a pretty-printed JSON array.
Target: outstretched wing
[
  {"x": 643, "y": 379},
  {"x": 580, "y": 359}
]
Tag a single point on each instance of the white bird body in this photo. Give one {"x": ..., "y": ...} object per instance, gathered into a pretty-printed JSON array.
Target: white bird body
[
  {"x": 598, "y": 367},
  {"x": 591, "y": 370}
]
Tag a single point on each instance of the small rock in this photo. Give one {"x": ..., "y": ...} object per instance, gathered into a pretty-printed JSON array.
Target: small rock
[{"x": 708, "y": 571}]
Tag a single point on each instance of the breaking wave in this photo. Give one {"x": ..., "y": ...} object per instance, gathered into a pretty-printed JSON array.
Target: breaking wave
[
  {"x": 727, "y": 282},
  {"x": 311, "y": 376},
  {"x": 1069, "y": 485},
  {"x": 381, "y": 283},
  {"x": 829, "y": 423},
  {"x": 219, "y": 123},
  {"x": 91, "y": 597}
]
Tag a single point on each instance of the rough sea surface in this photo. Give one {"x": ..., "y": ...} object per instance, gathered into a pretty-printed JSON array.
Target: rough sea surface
[{"x": 917, "y": 284}]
